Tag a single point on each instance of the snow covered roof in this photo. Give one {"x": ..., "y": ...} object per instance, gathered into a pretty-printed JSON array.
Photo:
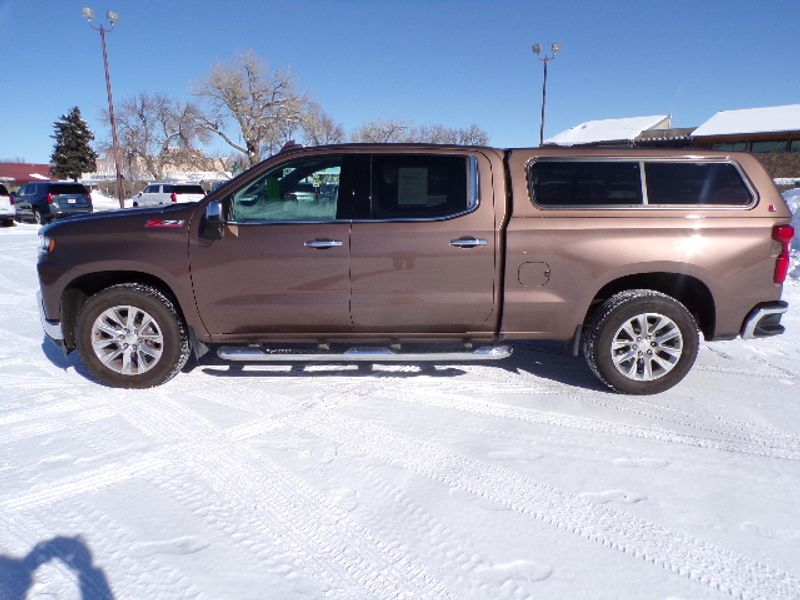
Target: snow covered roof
[
  {"x": 20, "y": 173},
  {"x": 752, "y": 120},
  {"x": 608, "y": 130}
]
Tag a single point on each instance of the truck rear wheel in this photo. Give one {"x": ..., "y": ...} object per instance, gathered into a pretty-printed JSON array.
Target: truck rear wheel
[
  {"x": 131, "y": 336},
  {"x": 641, "y": 342}
]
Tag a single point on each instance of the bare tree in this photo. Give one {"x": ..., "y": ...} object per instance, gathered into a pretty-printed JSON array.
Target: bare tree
[
  {"x": 391, "y": 131},
  {"x": 319, "y": 128},
  {"x": 156, "y": 131},
  {"x": 250, "y": 102},
  {"x": 383, "y": 132},
  {"x": 473, "y": 136}
]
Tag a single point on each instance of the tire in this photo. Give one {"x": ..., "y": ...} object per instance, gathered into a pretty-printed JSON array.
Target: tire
[
  {"x": 143, "y": 358},
  {"x": 38, "y": 218},
  {"x": 641, "y": 342},
  {"x": 135, "y": 205}
]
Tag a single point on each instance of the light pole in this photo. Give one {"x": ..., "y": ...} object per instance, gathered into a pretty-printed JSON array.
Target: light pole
[
  {"x": 112, "y": 17},
  {"x": 537, "y": 50}
]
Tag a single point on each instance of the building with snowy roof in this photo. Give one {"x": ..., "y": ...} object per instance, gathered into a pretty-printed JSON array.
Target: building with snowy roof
[
  {"x": 773, "y": 133},
  {"x": 16, "y": 173},
  {"x": 609, "y": 132},
  {"x": 769, "y": 129}
]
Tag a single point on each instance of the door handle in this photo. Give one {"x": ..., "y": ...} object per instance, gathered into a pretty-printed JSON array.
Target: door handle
[
  {"x": 323, "y": 244},
  {"x": 468, "y": 242}
]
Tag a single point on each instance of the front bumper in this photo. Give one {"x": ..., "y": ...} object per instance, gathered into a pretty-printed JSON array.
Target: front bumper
[
  {"x": 764, "y": 320},
  {"x": 51, "y": 328}
]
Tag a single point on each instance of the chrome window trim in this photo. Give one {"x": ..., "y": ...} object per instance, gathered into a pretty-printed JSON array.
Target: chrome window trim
[
  {"x": 248, "y": 223},
  {"x": 646, "y": 205}
]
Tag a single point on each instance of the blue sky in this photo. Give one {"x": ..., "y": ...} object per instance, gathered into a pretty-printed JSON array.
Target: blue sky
[{"x": 450, "y": 62}]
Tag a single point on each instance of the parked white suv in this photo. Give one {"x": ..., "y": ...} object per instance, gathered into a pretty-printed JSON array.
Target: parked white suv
[
  {"x": 6, "y": 206},
  {"x": 159, "y": 193}
]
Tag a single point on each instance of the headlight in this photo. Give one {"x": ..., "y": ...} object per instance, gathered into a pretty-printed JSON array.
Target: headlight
[{"x": 46, "y": 244}]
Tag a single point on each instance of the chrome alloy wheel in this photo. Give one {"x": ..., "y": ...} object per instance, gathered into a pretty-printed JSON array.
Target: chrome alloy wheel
[
  {"x": 646, "y": 347},
  {"x": 127, "y": 340}
]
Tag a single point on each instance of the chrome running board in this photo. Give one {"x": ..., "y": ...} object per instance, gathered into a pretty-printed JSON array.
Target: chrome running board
[{"x": 366, "y": 354}]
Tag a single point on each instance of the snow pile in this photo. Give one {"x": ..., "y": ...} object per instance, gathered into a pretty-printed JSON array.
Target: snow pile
[
  {"x": 102, "y": 202},
  {"x": 792, "y": 198}
]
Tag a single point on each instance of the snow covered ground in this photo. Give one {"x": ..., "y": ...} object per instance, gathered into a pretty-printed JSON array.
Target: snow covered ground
[{"x": 520, "y": 479}]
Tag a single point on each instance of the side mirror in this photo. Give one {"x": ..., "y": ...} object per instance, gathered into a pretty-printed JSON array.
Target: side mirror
[{"x": 213, "y": 226}]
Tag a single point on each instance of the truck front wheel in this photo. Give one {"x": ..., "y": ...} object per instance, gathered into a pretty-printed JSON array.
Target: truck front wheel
[
  {"x": 131, "y": 336},
  {"x": 641, "y": 342}
]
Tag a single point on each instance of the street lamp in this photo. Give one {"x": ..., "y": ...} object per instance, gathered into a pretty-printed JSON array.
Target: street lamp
[
  {"x": 112, "y": 17},
  {"x": 537, "y": 50}
]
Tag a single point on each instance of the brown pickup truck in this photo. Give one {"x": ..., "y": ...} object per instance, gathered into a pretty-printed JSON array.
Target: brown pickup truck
[{"x": 415, "y": 252}]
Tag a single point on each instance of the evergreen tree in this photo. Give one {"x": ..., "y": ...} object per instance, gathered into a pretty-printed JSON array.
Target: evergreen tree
[{"x": 72, "y": 154}]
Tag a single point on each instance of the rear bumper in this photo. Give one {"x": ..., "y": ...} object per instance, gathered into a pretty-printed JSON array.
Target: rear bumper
[
  {"x": 58, "y": 212},
  {"x": 764, "y": 320},
  {"x": 52, "y": 329}
]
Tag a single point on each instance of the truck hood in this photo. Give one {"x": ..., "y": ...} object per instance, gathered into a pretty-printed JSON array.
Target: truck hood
[{"x": 121, "y": 220}]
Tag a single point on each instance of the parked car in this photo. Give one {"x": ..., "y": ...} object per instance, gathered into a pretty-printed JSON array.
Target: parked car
[
  {"x": 160, "y": 193},
  {"x": 47, "y": 200},
  {"x": 6, "y": 206},
  {"x": 627, "y": 255}
]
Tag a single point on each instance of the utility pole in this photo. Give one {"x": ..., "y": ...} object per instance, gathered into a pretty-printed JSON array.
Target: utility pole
[
  {"x": 537, "y": 50},
  {"x": 112, "y": 17}
]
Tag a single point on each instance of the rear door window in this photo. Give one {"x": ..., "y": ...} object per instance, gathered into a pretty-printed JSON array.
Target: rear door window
[
  {"x": 3, "y": 190},
  {"x": 585, "y": 183},
  {"x": 715, "y": 184},
  {"x": 419, "y": 187}
]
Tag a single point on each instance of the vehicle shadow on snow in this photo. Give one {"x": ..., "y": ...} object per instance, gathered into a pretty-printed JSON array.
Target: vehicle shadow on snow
[
  {"x": 57, "y": 357},
  {"x": 546, "y": 360},
  {"x": 17, "y": 575}
]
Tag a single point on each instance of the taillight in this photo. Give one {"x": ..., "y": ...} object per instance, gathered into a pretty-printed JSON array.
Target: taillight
[
  {"x": 89, "y": 197},
  {"x": 174, "y": 197},
  {"x": 11, "y": 199},
  {"x": 49, "y": 198},
  {"x": 784, "y": 235}
]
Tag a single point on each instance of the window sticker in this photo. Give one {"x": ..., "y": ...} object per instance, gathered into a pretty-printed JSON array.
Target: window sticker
[{"x": 412, "y": 186}]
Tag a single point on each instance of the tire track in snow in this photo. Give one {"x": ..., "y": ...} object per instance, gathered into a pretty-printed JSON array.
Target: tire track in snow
[
  {"x": 303, "y": 513},
  {"x": 139, "y": 577},
  {"x": 690, "y": 557},
  {"x": 716, "y": 567},
  {"x": 420, "y": 532},
  {"x": 258, "y": 544},
  {"x": 40, "y": 412},
  {"x": 83, "y": 483},
  {"x": 698, "y": 419},
  {"x": 15, "y": 433},
  {"x": 541, "y": 417}
]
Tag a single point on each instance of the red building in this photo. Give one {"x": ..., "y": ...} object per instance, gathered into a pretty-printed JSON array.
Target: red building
[{"x": 15, "y": 174}]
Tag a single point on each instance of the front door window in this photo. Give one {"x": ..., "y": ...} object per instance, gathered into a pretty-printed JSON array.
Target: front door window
[{"x": 305, "y": 190}]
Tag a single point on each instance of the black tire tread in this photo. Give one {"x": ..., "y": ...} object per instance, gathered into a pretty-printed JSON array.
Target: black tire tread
[
  {"x": 148, "y": 379},
  {"x": 596, "y": 323}
]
